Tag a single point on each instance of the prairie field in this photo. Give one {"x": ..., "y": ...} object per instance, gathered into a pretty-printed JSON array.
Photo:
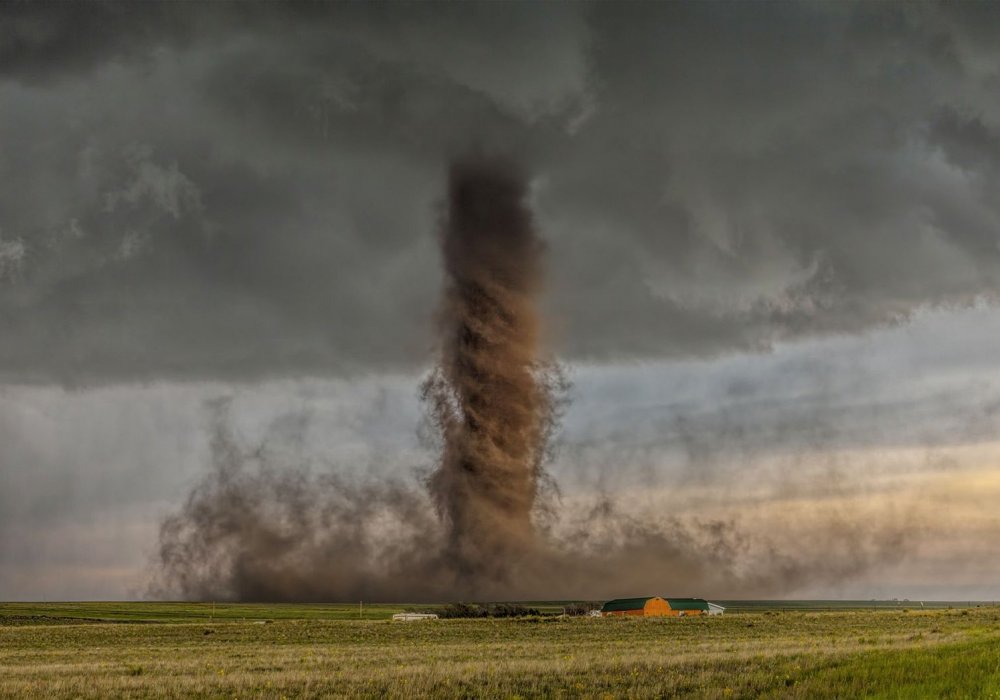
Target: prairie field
[{"x": 159, "y": 650}]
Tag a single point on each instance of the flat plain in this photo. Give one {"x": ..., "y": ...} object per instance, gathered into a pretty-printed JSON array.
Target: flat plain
[{"x": 159, "y": 650}]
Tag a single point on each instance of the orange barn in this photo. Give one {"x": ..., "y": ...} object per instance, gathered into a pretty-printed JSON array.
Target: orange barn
[
  {"x": 654, "y": 606},
  {"x": 658, "y": 607}
]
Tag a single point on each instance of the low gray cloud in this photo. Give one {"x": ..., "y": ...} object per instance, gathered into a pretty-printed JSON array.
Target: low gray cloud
[{"x": 252, "y": 191}]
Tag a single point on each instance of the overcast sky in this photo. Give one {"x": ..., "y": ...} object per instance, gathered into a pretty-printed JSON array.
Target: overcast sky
[{"x": 773, "y": 239}]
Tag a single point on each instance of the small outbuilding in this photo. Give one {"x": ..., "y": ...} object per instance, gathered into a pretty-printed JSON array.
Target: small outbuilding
[{"x": 413, "y": 617}]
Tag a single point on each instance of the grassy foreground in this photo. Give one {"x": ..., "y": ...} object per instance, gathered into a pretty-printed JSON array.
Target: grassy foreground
[{"x": 171, "y": 650}]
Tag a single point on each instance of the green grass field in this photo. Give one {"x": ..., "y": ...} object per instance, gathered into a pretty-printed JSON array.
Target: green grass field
[{"x": 64, "y": 650}]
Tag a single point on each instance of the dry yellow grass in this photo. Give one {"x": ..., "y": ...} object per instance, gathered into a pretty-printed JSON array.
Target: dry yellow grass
[{"x": 896, "y": 654}]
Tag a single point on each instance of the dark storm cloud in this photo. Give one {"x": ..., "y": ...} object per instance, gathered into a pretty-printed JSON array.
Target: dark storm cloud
[
  {"x": 772, "y": 171},
  {"x": 41, "y": 41},
  {"x": 247, "y": 190}
]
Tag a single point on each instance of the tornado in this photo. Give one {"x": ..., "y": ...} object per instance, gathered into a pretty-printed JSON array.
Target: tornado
[
  {"x": 491, "y": 392},
  {"x": 262, "y": 526}
]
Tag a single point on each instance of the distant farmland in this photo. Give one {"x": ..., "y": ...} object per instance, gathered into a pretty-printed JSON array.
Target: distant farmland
[{"x": 152, "y": 650}]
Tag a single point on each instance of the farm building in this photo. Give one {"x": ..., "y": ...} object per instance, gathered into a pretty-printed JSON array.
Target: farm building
[
  {"x": 694, "y": 606},
  {"x": 655, "y": 606},
  {"x": 413, "y": 617}
]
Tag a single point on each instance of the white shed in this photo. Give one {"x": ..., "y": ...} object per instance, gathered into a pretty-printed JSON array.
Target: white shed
[
  {"x": 715, "y": 609},
  {"x": 413, "y": 617}
]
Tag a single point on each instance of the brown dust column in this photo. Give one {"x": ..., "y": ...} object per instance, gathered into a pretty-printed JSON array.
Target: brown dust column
[{"x": 488, "y": 395}]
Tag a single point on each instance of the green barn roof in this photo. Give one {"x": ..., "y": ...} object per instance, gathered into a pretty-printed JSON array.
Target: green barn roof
[
  {"x": 626, "y": 604},
  {"x": 688, "y": 604}
]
